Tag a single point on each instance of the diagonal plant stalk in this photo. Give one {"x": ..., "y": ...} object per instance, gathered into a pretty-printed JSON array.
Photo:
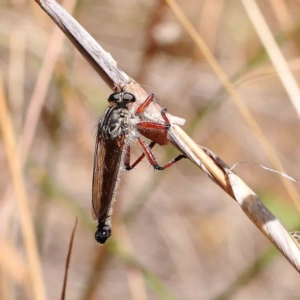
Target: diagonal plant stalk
[
  {"x": 63, "y": 295},
  {"x": 277, "y": 58},
  {"x": 27, "y": 228},
  {"x": 20, "y": 157},
  {"x": 212, "y": 165},
  {"x": 235, "y": 96}
]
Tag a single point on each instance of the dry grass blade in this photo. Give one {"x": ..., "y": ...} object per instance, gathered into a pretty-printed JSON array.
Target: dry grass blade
[
  {"x": 13, "y": 264},
  {"x": 282, "y": 14},
  {"x": 63, "y": 294},
  {"x": 99, "y": 59},
  {"x": 211, "y": 14},
  {"x": 87, "y": 46},
  {"x": 263, "y": 219},
  {"x": 77, "y": 117},
  {"x": 99, "y": 264},
  {"x": 136, "y": 283},
  {"x": 203, "y": 158},
  {"x": 265, "y": 73},
  {"x": 274, "y": 53},
  {"x": 21, "y": 198},
  {"x": 245, "y": 112},
  {"x": 16, "y": 75},
  {"x": 40, "y": 91}
]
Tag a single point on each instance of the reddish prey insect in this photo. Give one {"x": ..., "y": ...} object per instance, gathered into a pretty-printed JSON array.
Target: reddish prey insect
[{"x": 117, "y": 130}]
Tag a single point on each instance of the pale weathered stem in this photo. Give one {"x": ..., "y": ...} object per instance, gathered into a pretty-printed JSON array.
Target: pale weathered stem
[
  {"x": 99, "y": 59},
  {"x": 213, "y": 166},
  {"x": 251, "y": 205}
]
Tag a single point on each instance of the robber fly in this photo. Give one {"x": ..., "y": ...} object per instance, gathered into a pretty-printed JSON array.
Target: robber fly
[{"x": 117, "y": 130}]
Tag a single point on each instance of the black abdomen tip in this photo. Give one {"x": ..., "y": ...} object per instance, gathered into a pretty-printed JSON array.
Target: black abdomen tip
[{"x": 102, "y": 234}]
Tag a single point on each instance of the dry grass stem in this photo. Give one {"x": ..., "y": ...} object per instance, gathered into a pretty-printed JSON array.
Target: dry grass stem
[
  {"x": 16, "y": 75},
  {"x": 99, "y": 265},
  {"x": 265, "y": 221},
  {"x": 266, "y": 72},
  {"x": 40, "y": 91},
  {"x": 255, "y": 210},
  {"x": 211, "y": 14},
  {"x": 274, "y": 52},
  {"x": 135, "y": 279},
  {"x": 245, "y": 112},
  {"x": 77, "y": 116},
  {"x": 63, "y": 296},
  {"x": 27, "y": 228},
  {"x": 213, "y": 166},
  {"x": 13, "y": 264},
  {"x": 282, "y": 14}
]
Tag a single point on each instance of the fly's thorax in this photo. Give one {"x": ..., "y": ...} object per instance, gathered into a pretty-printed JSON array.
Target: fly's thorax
[{"x": 117, "y": 121}]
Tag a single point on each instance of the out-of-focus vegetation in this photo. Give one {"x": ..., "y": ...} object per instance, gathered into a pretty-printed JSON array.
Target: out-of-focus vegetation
[{"x": 176, "y": 235}]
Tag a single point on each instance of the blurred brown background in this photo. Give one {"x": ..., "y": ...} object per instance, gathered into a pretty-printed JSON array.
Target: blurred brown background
[{"x": 176, "y": 235}]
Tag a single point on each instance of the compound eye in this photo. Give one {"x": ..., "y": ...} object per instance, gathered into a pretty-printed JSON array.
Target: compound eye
[
  {"x": 115, "y": 97},
  {"x": 128, "y": 97}
]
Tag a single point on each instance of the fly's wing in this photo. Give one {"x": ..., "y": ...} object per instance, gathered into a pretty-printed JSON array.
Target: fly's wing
[
  {"x": 98, "y": 170},
  {"x": 107, "y": 160}
]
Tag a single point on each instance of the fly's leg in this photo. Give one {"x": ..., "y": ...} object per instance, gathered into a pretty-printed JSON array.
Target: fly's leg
[
  {"x": 129, "y": 167},
  {"x": 145, "y": 104},
  {"x": 154, "y": 126},
  {"x": 147, "y": 125},
  {"x": 147, "y": 151}
]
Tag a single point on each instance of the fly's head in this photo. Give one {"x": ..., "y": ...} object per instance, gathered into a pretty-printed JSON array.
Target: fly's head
[{"x": 121, "y": 99}]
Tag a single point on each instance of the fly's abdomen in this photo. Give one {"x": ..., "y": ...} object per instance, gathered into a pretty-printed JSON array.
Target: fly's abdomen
[{"x": 105, "y": 185}]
